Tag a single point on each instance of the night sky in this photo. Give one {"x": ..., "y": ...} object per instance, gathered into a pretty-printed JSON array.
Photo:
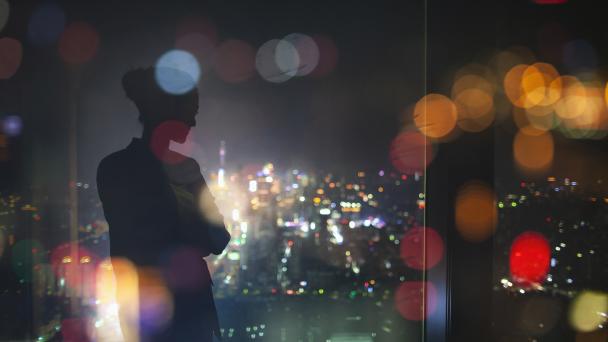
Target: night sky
[{"x": 342, "y": 121}]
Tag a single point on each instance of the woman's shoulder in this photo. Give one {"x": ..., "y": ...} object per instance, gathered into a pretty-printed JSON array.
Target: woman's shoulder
[{"x": 113, "y": 162}]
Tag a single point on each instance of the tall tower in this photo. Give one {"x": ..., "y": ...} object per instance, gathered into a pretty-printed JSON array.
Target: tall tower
[
  {"x": 221, "y": 182},
  {"x": 222, "y": 153}
]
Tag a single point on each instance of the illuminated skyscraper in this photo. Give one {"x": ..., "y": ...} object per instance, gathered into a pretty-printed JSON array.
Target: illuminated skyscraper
[{"x": 221, "y": 181}]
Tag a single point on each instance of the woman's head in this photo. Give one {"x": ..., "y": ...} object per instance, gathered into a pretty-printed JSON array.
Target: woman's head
[{"x": 155, "y": 105}]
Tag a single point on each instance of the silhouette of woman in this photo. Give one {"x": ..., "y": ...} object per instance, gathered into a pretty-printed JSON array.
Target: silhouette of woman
[{"x": 150, "y": 200}]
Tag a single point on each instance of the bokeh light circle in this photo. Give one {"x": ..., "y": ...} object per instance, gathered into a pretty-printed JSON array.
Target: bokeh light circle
[
  {"x": 410, "y": 300},
  {"x": 529, "y": 258},
  {"x": 513, "y": 85},
  {"x": 328, "y": 56},
  {"x": 588, "y": 310},
  {"x": 5, "y": 11},
  {"x": 435, "y": 115},
  {"x": 199, "y": 26},
  {"x": 307, "y": 50},
  {"x": 473, "y": 95},
  {"x": 287, "y": 57},
  {"x": 475, "y": 110},
  {"x": 78, "y": 43},
  {"x": 12, "y": 125},
  {"x": 155, "y": 300},
  {"x": 572, "y": 102},
  {"x": 540, "y": 315},
  {"x": 410, "y": 152},
  {"x": 475, "y": 211},
  {"x": 421, "y": 248},
  {"x": 234, "y": 61},
  {"x": 592, "y": 121},
  {"x": 177, "y": 72},
  {"x": 533, "y": 153},
  {"x": 541, "y": 81},
  {"x": 46, "y": 24},
  {"x": 25, "y": 256},
  {"x": 162, "y": 136},
  {"x": 533, "y": 124},
  {"x": 79, "y": 273},
  {"x": 118, "y": 278},
  {"x": 11, "y": 54},
  {"x": 197, "y": 35},
  {"x": 199, "y": 45},
  {"x": 266, "y": 61}
]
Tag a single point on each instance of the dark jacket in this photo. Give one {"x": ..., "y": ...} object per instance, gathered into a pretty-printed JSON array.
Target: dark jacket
[{"x": 152, "y": 211}]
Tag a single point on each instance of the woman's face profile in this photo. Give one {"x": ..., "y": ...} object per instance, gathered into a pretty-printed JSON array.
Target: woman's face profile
[
  {"x": 185, "y": 112},
  {"x": 179, "y": 111}
]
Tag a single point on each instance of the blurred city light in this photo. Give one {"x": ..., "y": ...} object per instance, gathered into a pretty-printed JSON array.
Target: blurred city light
[
  {"x": 12, "y": 125},
  {"x": 11, "y": 53},
  {"x": 46, "y": 24},
  {"x": 411, "y": 152},
  {"x": 78, "y": 43},
  {"x": 529, "y": 258},
  {"x": 533, "y": 153},
  {"x": 435, "y": 116},
  {"x": 307, "y": 50},
  {"x": 589, "y": 311},
  {"x": 475, "y": 211},
  {"x": 177, "y": 72},
  {"x": 416, "y": 300},
  {"x": 421, "y": 248},
  {"x": 234, "y": 61},
  {"x": 277, "y": 61}
]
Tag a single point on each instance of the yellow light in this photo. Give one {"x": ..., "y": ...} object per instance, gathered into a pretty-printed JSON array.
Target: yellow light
[
  {"x": 473, "y": 95},
  {"x": 475, "y": 211},
  {"x": 588, "y": 310},
  {"x": 572, "y": 102},
  {"x": 533, "y": 153},
  {"x": 435, "y": 115},
  {"x": 512, "y": 85},
  {"x": 66, "y": 259}
]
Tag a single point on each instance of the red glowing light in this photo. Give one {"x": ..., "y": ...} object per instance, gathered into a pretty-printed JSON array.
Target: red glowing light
[
  {"x": 410, "y": 296},
  {"x": 420, "y": 242},
  {"x": 197, "y": 25},
  {"x": 163, "y": 134},
  {"x": 328, "y": 56},
  {"x": 11, "y": 53},
  {"x": 74, "y": 329},
  {"x": 78, "y": 43},
  {"x": 410, "y": 152},
  {"x": 529, "y": 258},
  {"x": 234, "y": 61}
]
